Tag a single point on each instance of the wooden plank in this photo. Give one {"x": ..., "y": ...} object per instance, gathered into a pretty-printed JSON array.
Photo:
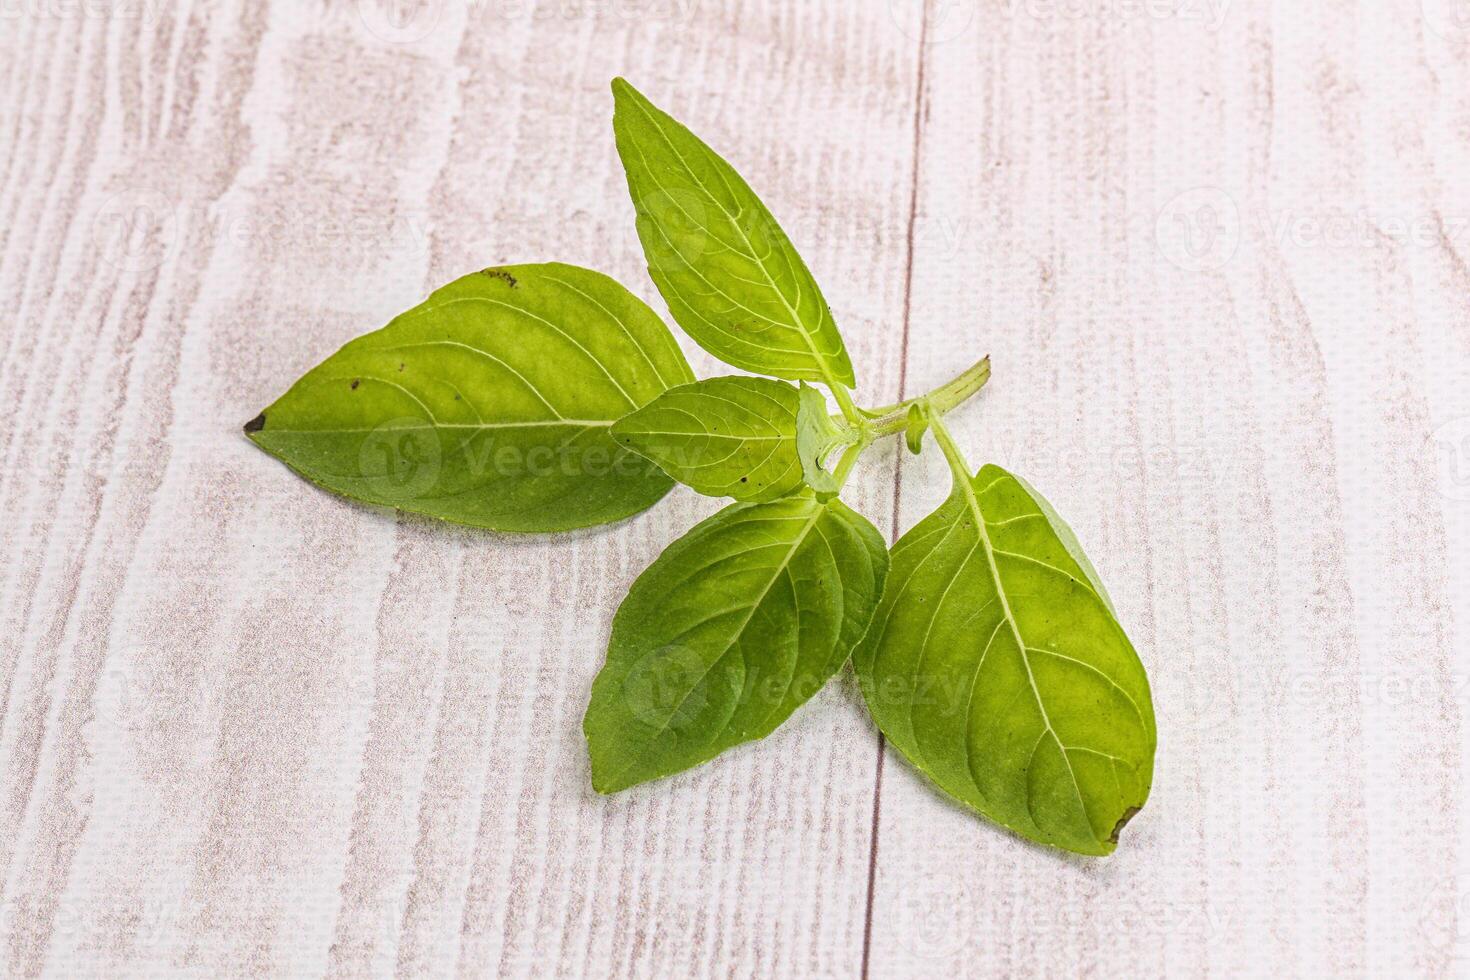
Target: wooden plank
[
  {"x": 1218, "y": 254},
  {"x": 713, "y": 872},
  {"x": 252, "y": 729},
  {"x": 1235, "y": 424}
]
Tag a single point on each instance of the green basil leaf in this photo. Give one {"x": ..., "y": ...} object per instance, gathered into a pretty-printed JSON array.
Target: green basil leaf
[
  {"x": 753, "y": 439},
  {"x": 817, "y": 434},
  {"x": 735, "y": 625},
  {"x": 995, "y": 664},
  {"x": 730, "y": 275},
  {"x": 725, "y": 437},
  {"x": 489, "y": 404}
]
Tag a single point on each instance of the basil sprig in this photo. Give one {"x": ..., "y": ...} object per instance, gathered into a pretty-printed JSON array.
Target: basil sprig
[{"x": 542, "y": 398}]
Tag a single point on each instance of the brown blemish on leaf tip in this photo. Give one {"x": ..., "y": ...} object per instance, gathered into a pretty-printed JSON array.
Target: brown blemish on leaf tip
[
  {"x": 256, "y": 424},
  {"x": 1128, "y": 815},
  {"x": 502, "y": 275}
]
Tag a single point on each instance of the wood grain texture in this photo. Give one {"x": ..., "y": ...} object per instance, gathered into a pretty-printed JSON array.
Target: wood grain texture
[{"x": 1218, "y": 252}]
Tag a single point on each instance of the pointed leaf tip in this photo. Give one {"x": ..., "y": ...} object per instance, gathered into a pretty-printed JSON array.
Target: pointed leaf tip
[{"x": 730, "y": 275}]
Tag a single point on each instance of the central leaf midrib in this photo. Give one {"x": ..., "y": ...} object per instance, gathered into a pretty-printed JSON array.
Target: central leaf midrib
[
  {"x": 1005, "y": 605},
  {"x": 706, "y": 434},
  {"x": 532, "y": 424}
]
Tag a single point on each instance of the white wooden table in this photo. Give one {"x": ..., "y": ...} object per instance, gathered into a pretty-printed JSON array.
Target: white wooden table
[{"x": 1218, "y": 251}]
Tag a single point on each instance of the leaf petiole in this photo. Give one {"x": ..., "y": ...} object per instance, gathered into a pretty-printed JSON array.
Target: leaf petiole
[
  {"x": 849, "y": 458},
  {"x": 844, "y": 401},
  {"x": 871, "y": 425},
  {"x": 957, "y": 464},
  {"x": 891, "y": 419}
]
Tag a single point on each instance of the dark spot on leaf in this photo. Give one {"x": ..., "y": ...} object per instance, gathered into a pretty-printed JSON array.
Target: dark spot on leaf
[
  {"x": 355, "y": 383},
  {"x": 502, "y": 275},
  {"x": 1128, "y": 815},
  {"x": 400, "y": 366},
  {"x": 743, "y": 479},
  {"x": 256, "y": 424}
]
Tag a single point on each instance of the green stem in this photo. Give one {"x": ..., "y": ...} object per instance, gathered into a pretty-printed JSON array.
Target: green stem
[
  {"x": 957, "y": 464},
  {"x": 947, "y": 397},
  {"x": 849, "y": 458},
  {"x": 844, "y": 402},
  {"x": 876, "y": 423}
]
